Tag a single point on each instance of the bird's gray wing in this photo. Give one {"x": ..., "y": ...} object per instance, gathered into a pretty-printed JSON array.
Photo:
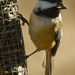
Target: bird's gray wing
[{"x": 57, "y": 41}]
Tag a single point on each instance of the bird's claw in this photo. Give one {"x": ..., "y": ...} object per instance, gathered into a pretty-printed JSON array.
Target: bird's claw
[
  {"x": 24, "y": 57},
  {"x": 23, "y": 19}
]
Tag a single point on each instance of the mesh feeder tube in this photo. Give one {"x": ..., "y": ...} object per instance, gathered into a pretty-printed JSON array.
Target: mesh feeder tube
[{"x": 11, "y": 40}]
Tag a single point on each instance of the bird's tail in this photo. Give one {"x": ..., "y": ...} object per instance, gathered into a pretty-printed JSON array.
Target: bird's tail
[{"x": 48, "y": 63}]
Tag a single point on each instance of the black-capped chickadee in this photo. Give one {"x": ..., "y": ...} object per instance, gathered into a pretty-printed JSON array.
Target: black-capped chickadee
[{"x": 45, "y": 29}]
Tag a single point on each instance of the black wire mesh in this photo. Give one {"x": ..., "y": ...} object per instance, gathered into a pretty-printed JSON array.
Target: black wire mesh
[{"x": 11, "y": 40}]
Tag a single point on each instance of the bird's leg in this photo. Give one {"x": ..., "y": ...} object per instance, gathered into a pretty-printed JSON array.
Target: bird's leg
[
  {"x": 23, "y": 19},
  {"x": 26, "y": 56}
]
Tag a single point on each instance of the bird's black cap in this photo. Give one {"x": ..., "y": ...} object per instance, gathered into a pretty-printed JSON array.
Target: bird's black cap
[{"x": 53, "y": 1}]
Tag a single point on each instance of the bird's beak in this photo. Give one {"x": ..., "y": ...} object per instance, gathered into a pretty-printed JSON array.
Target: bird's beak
[{"x": 61, "y": 6}]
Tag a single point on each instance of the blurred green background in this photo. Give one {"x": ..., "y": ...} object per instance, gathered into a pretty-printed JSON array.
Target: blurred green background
[{"x": 64, "y": 61}]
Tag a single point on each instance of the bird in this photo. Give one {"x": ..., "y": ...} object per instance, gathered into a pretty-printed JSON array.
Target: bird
[{"x": 45, "y": 29}]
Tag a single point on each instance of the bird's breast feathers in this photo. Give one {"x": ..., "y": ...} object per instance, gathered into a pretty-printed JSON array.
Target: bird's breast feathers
[{"x": 42, "y": 30}]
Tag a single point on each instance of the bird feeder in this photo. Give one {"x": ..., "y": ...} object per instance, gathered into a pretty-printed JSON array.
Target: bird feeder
[{"x": 11, "y": 40}]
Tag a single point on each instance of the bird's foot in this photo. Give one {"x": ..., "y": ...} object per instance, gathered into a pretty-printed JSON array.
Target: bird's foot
[
  {"x": 24, "y": 57},
  {"x": 23, "y": 19}
]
